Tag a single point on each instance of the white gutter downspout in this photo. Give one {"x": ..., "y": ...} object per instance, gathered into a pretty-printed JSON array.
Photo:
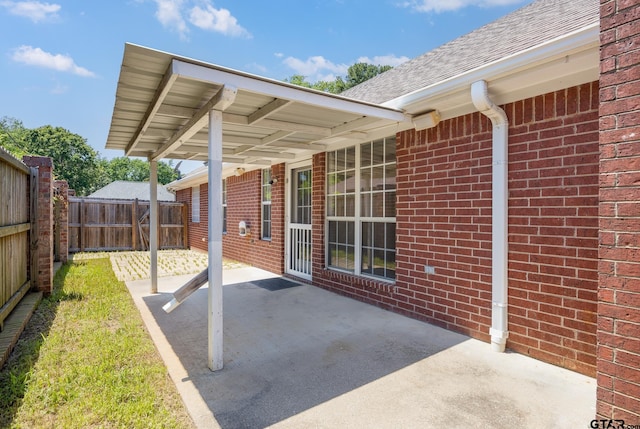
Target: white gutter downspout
[{"x": 499, "y": 313}]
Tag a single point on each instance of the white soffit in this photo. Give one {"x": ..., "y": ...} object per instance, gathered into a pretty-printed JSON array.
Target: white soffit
[{"x": 162, "y": 103}]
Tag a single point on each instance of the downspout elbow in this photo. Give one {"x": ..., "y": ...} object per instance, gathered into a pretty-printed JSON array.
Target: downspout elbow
[
  {"x": 499, "y": 270},
  {"x": 482, "y": 102}
]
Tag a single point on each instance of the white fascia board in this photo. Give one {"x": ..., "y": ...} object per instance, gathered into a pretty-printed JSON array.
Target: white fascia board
[
  {"x": 283, "y": 91},
  {"x": 199, "y": 177},
  {"x": 579, "y": 40},
  {"x": 189, "y": 181}
]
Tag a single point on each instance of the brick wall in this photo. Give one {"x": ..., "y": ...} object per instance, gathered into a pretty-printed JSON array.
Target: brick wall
[
  {"x": 197, "y": 232},
  {"x": 318, "y": 190},
  {"x": 244, "y": 204},
  {"x": 619, "y": 293},
  {"x": 61, "y": 213},
  {"x": 444, "y": 220},
  {"x": 553, "y": 227},
  {"x": 43, "y": 279}
]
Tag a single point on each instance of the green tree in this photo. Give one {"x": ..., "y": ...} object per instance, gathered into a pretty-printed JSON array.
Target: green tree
[
  {"x": 12, "y": 136},
  {"x": 298, "y": 79},
  {"x": 135, "y": 170},
  {"x": 361, "y": 72},
  {"x": 356, "y": 74},
  {"x": 73, "y": 159}
]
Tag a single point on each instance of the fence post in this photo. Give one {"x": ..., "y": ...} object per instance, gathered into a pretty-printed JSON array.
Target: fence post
[
  {"x": 43, "y": 250},
  {"x": 160, "y": 211},
  {"x": 185, "y": 228},
  {"x": 62, "y": 220},
  {"x": 33, "y": 232},
  {"x": 81, "y": 230},
  {"x": 134, "y": 225}
]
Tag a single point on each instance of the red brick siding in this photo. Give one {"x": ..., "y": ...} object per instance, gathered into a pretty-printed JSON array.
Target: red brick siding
[
  {"x": 244, "y": 204},
  {"x": 197, "y": 231},
  {"x": 61, "y": 212},
  {"x": 444, "y": 220},
  {"x": 318, "y": 180},
  {"x": 553, "y": 227},
  {"x": 43, "y": 279},
  {"x": 619, "y": 292}
]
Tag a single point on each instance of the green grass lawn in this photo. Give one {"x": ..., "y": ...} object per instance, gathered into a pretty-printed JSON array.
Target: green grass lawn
[{"x": 85, "y": 360}]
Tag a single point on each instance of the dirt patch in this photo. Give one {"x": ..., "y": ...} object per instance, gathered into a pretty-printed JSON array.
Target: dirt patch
[{"x": 129, "y": 266}]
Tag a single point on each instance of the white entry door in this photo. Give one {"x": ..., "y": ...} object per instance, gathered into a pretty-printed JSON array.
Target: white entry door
[{"x": 299, "y": 230}]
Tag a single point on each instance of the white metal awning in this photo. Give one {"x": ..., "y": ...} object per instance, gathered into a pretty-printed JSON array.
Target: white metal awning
[
  {"x": 172, "y": 107},
  {"x": 163, "y": 100}
]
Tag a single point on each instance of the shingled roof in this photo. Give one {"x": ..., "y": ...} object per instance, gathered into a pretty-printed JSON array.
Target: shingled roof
[
  {"x": 125, "y": 190},
  {"x": 529, "y": 26}
]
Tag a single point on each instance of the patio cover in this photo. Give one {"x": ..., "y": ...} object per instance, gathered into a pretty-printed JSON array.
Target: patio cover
[
  {"x": 163, "y": 100},
  {"x": 173, "y": 107}
]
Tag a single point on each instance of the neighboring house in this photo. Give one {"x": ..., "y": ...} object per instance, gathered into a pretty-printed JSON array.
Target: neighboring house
[
  {"x": 124, "y": 190},
  {"x": 468, "y": 215}
]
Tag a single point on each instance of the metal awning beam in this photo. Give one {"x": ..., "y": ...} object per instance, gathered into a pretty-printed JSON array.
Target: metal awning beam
[
  {"x": 272, "y": 124},
  {"x": 162, "y": 90},
  {"x": 220, "y": 101},
  {"x": 275, "y": 137},
  {"x": 267, "y": 110},
  {"x": 176, "y": 111},
  {"x": 266, "y": 154},
  {"x": 295, "y": 145}
]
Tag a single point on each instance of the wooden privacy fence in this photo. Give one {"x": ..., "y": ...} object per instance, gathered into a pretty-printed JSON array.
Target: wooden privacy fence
[
  {"x": 16, "y": 182},
  {"x": 99, "y": 224}
]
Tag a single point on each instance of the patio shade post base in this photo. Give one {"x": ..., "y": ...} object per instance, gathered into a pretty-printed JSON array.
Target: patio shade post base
[
  {"x": 171, "y": 305},
  {"x": 186, "y": 290}
]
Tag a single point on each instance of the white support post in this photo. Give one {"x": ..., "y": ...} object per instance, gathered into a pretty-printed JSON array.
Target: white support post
[
  {"x": 153, "y": 224},
  {"x": 214, "y": 323}
]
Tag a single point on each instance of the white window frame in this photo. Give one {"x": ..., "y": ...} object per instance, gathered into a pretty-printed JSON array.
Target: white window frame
[
  {"x": 224, "y": 206},
  {"x": 266, "y": 203},
  {"x": 358, "y": 219},
  {"x": 195, "y": 204}
]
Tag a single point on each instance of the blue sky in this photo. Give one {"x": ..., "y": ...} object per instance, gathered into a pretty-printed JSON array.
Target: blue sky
[{"x": 60, "y": 60}]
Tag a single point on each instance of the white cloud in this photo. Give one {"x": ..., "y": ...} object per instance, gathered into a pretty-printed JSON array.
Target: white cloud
[
  {"x": 218, "y": 20},
  {"x": 34, "y": 10},
  {"x": 384, "y": 60},
  {"x": 438, "y": 6},
  {"x": 169, "y": 14},
  {"x": 316, "y": 68},
  {"x": 178, "y": 15},
  {"x": 39, "y": 58}
]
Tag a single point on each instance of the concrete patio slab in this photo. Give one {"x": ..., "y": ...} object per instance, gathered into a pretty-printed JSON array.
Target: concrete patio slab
[{"x": 301, "y": 357}]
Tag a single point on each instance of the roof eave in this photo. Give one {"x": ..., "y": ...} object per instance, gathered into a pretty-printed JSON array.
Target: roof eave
[
  {"x": 559, "y": 63},
  {"x": 196, "y": 178}
]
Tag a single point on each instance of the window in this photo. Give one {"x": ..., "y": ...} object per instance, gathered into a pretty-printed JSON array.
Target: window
[
  {"x": 266, "y": 204},
  {"x": 195, "y": 204},
  {"x": 224, "y": 205},
  {"x": 361, "y": 209}
]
